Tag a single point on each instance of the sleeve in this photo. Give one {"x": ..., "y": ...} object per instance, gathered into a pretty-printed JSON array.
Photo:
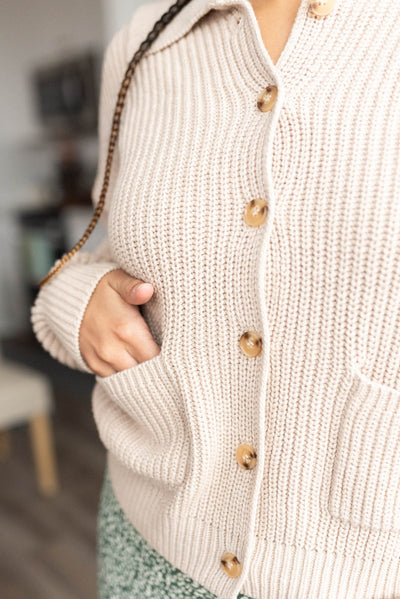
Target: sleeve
[{"x": 57, "y": 312}]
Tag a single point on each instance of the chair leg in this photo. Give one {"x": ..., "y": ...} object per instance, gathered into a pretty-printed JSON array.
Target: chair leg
[
  {"x": 43, "y": 453},
  {"x": 5, "y": 445}
]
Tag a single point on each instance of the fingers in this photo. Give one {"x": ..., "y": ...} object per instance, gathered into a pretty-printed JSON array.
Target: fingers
[
  {"x": 120, "y": 358},
  {"x": 114, "y": 335},
  {"x": 96, "y": 364},
  {"x": 133, "y": 291},
  {"x": 145, "y": 350},
  {"x": 122, "y": 361},
  {"x": 136, "y": 337}
]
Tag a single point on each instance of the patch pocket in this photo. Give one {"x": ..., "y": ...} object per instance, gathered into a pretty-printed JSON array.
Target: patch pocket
[
  {"x": 365, "y": 481},
  {"x": 140, "y": 417}
]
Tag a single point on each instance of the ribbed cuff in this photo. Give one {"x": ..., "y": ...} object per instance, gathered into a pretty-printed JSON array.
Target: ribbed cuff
[{"x": 59, "y": 307}]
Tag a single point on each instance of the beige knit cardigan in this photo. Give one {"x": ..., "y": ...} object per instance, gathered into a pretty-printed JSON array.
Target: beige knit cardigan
[{"x": 318, "y": 517}]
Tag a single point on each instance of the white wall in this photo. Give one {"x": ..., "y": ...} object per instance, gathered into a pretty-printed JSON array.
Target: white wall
[
  {"x": 34, "y": 32},
  {"x": 116, "y": 13},
  {"x": 31, "y": 33}
]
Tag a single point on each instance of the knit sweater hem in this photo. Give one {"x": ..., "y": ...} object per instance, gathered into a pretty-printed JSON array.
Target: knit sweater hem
[{"x": 276, "y": 570}]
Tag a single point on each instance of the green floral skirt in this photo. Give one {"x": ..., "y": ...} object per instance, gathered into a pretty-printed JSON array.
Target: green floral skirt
[{"x": 128, "y": 567}]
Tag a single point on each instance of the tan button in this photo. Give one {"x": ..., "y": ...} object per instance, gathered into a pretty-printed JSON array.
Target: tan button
[
  {"x": 256, "y": 212},
  {"x": 251, "y": 343},
  {"x": 246, "y": 456},
  {"x": 231, "y": 565},
  {"x": 266, "y": 100},
  {"x": 321, "y": 8}
]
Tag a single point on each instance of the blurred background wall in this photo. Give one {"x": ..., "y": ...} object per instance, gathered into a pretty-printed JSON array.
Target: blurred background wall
[
  {"x": 51, "y": 459},
  {"x": 35, "y": 34}
]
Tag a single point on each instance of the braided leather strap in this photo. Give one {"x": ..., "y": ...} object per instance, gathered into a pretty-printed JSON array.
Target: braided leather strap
[{"x": 159, "y": 25}]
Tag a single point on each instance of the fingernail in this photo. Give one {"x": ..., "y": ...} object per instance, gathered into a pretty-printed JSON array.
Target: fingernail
[{"x": 144, "y": 285}]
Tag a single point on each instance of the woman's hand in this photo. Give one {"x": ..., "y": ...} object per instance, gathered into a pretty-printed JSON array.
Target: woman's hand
[{"x": 113, "y": 334}]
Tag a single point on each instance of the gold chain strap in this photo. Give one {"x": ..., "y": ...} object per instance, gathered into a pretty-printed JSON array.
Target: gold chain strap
[{"x": 164, "y": 20}]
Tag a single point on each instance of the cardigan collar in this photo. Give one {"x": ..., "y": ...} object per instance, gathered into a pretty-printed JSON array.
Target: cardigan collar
[
  {"x": 186, "y": 19},
  {"x": 288, "y": 64}
]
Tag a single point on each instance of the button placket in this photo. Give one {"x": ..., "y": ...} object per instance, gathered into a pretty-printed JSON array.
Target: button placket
[
  {"x": 250, "y": 342},
  {"x": 256, "y": 213}
]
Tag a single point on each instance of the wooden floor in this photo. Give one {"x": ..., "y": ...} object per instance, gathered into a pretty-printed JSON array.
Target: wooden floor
[{"x": 47, "y": 546}]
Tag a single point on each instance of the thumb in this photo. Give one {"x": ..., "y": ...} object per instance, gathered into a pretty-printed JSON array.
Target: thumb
[{"x": 133, "y": 291}]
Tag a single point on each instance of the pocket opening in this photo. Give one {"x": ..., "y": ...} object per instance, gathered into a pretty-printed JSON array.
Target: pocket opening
[
  {"x": 141, "y": 418},
  {"x": 364, "y": 480}
]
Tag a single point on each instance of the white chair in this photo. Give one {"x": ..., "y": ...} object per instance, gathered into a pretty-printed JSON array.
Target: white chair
[{"x": 26, "y": 397}]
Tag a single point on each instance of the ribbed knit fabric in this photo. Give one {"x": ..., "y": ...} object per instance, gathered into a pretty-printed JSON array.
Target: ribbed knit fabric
[{"x": 319, "y": 515}]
